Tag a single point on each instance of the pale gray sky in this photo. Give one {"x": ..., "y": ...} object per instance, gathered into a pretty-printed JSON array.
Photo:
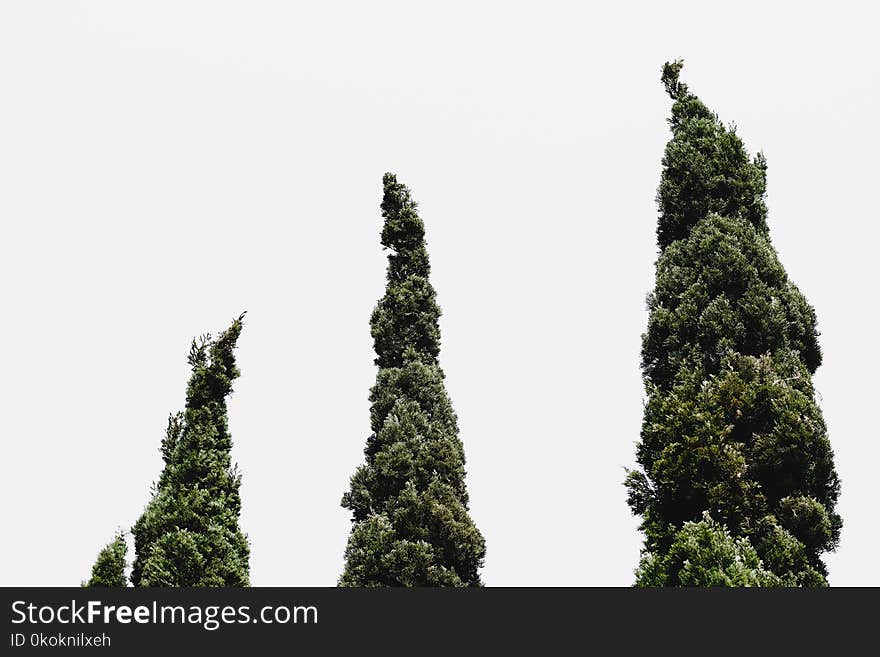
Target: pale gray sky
[{"x": 166, "y": 165}]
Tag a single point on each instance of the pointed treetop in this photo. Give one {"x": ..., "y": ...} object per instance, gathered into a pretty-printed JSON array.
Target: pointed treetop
[
  {"x": 213, "y": 363},
  {"x": 706, "y": 168},
  {"x": 403, "y": 231},
  {"x": 671, "y": 70},
  {"x": 403, "y": 228},
  {"x": 406, "y": 316},
  {"x": 109, "y": 569},
  {"x": 223, "y": 356}
]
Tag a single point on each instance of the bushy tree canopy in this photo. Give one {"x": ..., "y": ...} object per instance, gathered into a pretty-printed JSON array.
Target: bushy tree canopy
[
  {"x": 731, "y": 426},
  {"x": 409, "y": 504},
  {"x": 188, "y": 535},
  {"x": 705, "y": 554}
]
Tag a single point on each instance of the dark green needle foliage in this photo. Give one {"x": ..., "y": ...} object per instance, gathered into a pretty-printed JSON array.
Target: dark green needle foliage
[
  {"x": 188, "y": 535},
  {"x": 409, "y": 504},
  {"x": 705, "y": 554},
  {"x": 737, "y": 483},
  {"x": 109, "y": 568},
  {"x": 706, "y": 169}
]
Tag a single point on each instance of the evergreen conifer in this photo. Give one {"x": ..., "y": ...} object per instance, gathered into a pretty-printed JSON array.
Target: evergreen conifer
[
  {"x": 409, "y": 504},
  {"x": 736, "y": 469},
  {"x": 188, "y": 534}
]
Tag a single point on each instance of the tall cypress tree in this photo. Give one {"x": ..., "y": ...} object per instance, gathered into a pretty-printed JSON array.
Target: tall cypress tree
[
  {"x": 736, "y": 469},
  {"x": 109, "y": 568},
  {"x": 409, "y": 504},
  {"x": 188, "y": 534}
]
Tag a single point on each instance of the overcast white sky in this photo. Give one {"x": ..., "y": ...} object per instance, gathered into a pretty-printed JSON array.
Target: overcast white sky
[{"x": 166, "y": 165}]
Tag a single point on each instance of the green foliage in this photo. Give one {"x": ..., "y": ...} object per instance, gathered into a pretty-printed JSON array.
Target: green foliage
[
  {"x": 109, "y": 568},
  {"x": 705, "y": 554},
  {"x": 721, "y": 289},
  {"x": 411, "y": 525},
  {"x": 731, "y": 425},
  {"x": 706, "y": 168},
  {"x": 188, "y": 534},
  {"x": 405, "y": 319}
]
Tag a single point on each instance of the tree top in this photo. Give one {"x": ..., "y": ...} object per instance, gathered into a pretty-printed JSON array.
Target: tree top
[{"x": 669, "y": 77}]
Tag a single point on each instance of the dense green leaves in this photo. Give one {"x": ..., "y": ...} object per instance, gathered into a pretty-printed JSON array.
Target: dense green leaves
[
  {"x": 721, "y": 289},
  {"x": 405, "y": 319},
  {"x": 705, "y": 554},
  {"x": 109, "y": 568},
  {"x": 188, "y": 535},
  {"x": 411, "y": 525},
  {"x": 731, "y": 427},
  {"x": 705, "y": 168}
]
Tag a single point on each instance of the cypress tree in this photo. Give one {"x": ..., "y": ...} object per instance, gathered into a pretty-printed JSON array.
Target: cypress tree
[
  {"x": 188, "y": 534},
  {"x": 736, "y": 484},
  {"x": 409, "y": 504},
  {"x": 109, "y": 568}
]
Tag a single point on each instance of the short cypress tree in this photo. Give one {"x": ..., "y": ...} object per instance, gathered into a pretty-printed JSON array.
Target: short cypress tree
[
  {"x": 188, "y": 534},
  {"x": 411, "y": 525},
  {"x": 109, "y": 568},
  {"x": 733, "y": 446}
]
